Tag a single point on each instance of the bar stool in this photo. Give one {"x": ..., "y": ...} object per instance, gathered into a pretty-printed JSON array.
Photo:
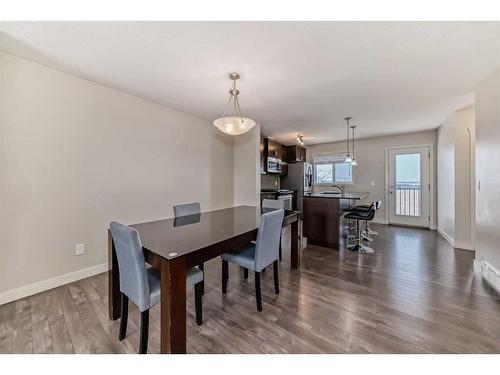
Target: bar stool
[
  {"x": 366, "y": 208},
  {"x": 365, "y": 216}
]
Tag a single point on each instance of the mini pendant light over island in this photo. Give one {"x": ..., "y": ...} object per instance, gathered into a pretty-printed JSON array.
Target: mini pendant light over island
[
  {"x": 349, "y": 158},
  {"x": 235, "y": 124}
]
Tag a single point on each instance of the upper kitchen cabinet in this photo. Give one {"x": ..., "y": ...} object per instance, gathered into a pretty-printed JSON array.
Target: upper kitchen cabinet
[
  {"x": 274, "y": 149},
  {"x": 262, "y": 155},
  {"x": 294, "y": 154}
]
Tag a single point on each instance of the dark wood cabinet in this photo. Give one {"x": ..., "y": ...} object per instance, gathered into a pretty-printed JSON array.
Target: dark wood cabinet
[
  {"x": 262, "y": 155},
  {"x": 274, "y": 149},
  {"x": 322, "y": 221},
  {"x": 294, "y": 154}
]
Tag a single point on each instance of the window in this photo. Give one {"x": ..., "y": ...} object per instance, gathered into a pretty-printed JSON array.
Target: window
[{"x": 331, "y": 169}]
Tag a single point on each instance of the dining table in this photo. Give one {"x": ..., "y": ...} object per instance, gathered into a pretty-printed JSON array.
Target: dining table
[{"x": 174, "y": 245}]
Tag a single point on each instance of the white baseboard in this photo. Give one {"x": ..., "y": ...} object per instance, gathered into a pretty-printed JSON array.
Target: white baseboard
[
  {"x": 489, "y": 273},
  {"x": 379, "y": 221},
  {"x": 446, "y": 236},
  {"x": 455, "y": 244},
  {"x": 41, "y": 286}
]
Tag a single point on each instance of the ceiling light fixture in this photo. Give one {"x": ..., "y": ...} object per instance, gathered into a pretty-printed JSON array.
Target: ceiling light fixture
[
  {"x": 235, "y": 124},
  {"x": 300, "y": 140},
  {"x": 348, "y": 158},
  {"x": 354, "y": 163}
]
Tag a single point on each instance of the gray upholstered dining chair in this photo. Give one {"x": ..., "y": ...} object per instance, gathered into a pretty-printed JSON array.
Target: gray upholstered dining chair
[
  {"x": 187, "y": 210},
  {"x": 256, "y": 257},
  {"x": 141, "y": 284},
  {"x": 276, "y": 204}
]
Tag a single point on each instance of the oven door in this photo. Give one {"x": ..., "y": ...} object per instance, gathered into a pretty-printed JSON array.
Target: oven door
[{"x": 288, "y": 201}]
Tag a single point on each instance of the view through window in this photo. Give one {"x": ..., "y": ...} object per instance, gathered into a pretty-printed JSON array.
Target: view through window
[
  {"x": 408, "y": 192},
  {"x": 331, "y": 169}
]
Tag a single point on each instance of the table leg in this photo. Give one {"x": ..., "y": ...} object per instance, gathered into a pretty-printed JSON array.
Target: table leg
[
  {"x": 114, "y": 295},
  {"x": 173, "y": 306},
  {"x": 295, "y": 245}
]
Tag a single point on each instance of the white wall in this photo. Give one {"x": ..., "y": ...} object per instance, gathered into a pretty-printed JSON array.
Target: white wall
[
  {"x": 77, "y": 155},
  {"x": 247, "y": 168},
  {"x": 446, "y": 180},
  {"x": 370, "y": 155},
  {"x": 455, "y": 151},
  {"x": 488, "y": 170},
  {"x": 464, "y": 178}
]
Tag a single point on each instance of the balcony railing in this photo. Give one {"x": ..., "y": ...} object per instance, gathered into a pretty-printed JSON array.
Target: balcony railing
[{"x": 408, "y": 199}]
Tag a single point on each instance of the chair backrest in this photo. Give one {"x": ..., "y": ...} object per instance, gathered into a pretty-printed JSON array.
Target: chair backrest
[
  {"x": 373, "y": 207},
  {"x": 133, "y": 273},
  {"x": 268, "y": 239},
  {"x": 186, "y": 209},
  {"x": 273, "y": 203}
]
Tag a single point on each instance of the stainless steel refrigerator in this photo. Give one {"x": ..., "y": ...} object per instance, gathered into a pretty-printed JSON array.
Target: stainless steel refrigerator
[{"x": 299, "y": 178}]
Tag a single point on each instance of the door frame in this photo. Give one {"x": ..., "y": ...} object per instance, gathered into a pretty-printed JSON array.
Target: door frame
[{"x": 432, "y": 192}]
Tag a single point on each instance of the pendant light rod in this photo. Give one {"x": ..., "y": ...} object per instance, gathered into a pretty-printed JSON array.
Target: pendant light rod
[
  {"x": 348, "y": 155},
  {"x": 354, "y": 162},
  {"x": 347, "y": 119},
  {"x": 353, "y": 127}
]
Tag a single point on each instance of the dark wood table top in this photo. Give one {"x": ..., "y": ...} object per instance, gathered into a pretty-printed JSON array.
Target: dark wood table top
[{"x": 176, "y": 237}]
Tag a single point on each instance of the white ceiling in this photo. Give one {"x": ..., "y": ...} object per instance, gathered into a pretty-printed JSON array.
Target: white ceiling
[{"x": 392, "y": 77}]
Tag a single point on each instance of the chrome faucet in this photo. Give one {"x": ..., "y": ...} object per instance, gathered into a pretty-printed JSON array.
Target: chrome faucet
[{"x": 339, "y": 187}]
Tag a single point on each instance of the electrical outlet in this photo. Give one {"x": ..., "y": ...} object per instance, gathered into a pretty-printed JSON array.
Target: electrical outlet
[
  {"x": 372, "y": 183},
  {"x": 79, "y": 249}
]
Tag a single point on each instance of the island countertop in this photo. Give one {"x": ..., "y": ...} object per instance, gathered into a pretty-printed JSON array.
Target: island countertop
[{"x": 345, "y": 195}]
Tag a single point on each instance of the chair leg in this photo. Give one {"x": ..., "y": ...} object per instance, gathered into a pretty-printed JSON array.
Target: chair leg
[
  {"x": 124, "y": 318},
  {"x": 202, "y": 268},
  {"x": 281, "y": 255},
  {"x": 276, "y": 277},
  {"x": 225, "y": 276},
  {"x": 143, "y": 339},
  {"x": 198, "y": 292},
  {"x": 245, "y": 273},
  {"x": 258, "y": 296}
]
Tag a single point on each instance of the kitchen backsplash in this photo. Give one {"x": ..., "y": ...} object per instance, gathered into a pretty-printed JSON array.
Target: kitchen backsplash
[{"x": 269, "y": 182}]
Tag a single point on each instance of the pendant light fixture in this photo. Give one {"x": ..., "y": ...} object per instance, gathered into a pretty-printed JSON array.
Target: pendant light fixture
[
  {"x": 300, "y": 141},
  {"x": 348, "y": 158},
  {"x": 235, "y": 124},
  {"x": 354, "y": 163}
]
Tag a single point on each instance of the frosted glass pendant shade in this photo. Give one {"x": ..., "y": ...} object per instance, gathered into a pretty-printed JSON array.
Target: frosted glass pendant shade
[{"x": 234, "y": 125}]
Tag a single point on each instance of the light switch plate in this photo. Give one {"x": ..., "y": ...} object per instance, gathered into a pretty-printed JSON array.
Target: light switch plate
[{"x": 79, "y": 249}]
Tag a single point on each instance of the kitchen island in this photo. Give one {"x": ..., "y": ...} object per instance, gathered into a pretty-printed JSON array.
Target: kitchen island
[{"x": 322, "y": 217}]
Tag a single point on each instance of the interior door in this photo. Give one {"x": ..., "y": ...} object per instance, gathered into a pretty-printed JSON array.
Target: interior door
[{"x": 409, "y": 186}]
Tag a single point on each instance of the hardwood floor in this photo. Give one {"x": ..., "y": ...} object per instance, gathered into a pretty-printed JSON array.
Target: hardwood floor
[{"x": 416, "y": 294}]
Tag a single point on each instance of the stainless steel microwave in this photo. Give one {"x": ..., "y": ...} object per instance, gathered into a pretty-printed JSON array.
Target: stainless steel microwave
[{"x": 273, "y": 165}]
